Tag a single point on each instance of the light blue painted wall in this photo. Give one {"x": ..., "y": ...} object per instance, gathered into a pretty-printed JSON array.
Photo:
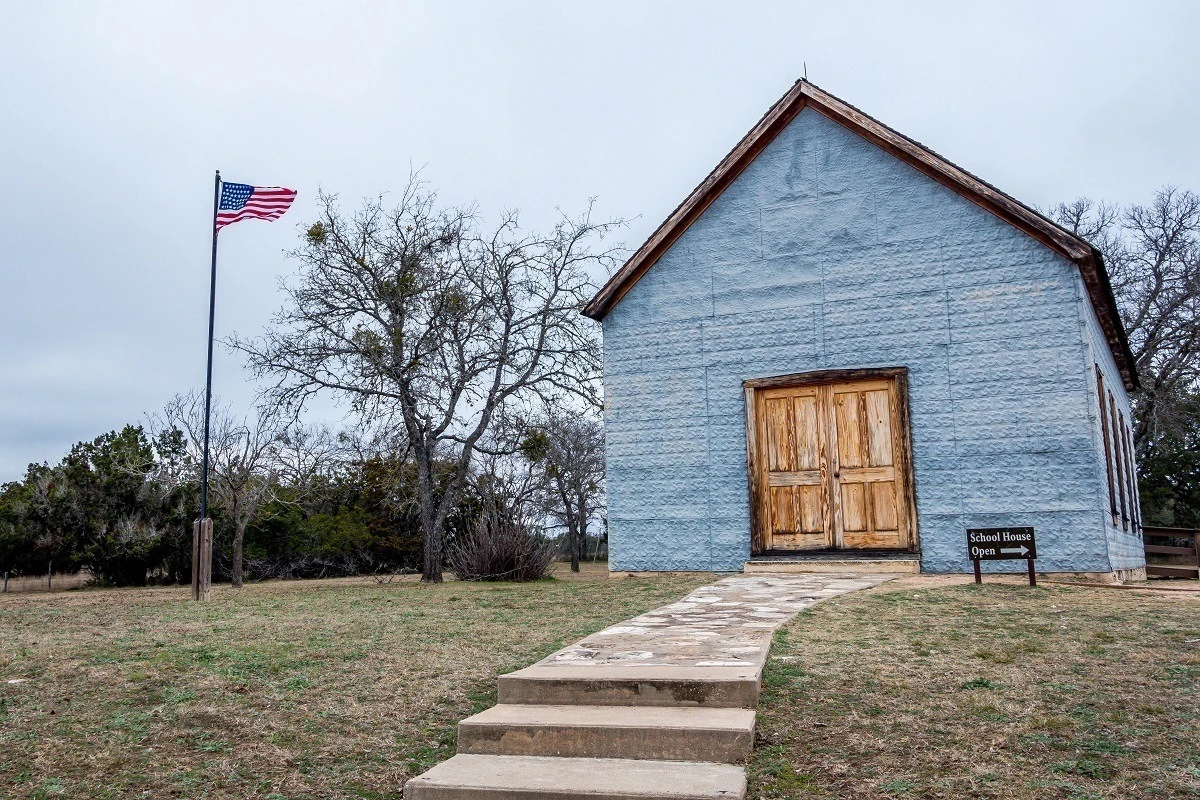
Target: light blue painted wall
[{"x": 828, "y": 253}]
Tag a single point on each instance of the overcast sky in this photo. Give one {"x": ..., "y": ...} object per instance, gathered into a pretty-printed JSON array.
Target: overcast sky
[{"x": 114, "y": 115}]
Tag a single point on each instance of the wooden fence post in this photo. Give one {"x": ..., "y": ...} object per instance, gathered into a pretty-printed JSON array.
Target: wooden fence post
[
  {"x": 1172, "y": 538},
  {"x": 206, "y": 559},
  {"x": 196, "y": 560},
  {"x": 201, "y": 558}
]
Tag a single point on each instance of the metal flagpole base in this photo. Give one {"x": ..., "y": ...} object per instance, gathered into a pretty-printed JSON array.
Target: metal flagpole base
[{"x": 201, "y": 558}]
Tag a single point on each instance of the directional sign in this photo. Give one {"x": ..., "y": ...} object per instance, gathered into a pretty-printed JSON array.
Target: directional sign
[{"x": 996, "y": 544}]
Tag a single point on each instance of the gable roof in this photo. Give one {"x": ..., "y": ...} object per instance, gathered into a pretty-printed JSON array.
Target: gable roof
[{"x": 804, "y": 94}]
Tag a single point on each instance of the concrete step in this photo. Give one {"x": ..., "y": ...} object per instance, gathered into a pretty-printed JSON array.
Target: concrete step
[
  {"x": 663, "y": 734},
  {"x": 481, "y": 777},
  {"x": 842, "y": 566},
  {"x": 606, "y": 685}
]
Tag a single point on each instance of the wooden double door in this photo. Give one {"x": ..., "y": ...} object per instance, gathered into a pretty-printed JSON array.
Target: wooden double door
[{"x": 829, "y": 465}]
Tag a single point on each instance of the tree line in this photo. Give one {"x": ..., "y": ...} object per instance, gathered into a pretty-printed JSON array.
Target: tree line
[
  {"x": 471, "y": 383},
  {"x": 294, "y": 502}
]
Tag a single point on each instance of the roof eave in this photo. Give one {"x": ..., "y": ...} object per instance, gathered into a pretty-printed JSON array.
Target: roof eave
[
  {"x": 1094, "y": 272},
  {"x": 769, "y": 125}
]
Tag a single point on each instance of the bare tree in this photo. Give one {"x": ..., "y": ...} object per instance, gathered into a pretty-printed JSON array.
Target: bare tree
[
  {"x": 241, "y": 463},
  {"x": 569, "y": 447},
  {"x": 417, "y": 315},
  {"x": 304, "y": 455},
  {"x": 1153, "y": 257}
]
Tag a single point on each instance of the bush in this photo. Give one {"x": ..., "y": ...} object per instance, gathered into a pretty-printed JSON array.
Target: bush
[{"x": 501, "y": 547}]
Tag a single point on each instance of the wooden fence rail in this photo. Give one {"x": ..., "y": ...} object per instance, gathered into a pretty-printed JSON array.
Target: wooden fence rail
[{"x": 1173, "y": 542}]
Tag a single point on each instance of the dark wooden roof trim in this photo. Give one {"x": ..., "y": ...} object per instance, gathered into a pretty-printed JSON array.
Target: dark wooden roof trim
[
  {"x": 1095, "y": 279},
  {"x": 923, "y": 159},
  {"x": 746, "y": 150}
]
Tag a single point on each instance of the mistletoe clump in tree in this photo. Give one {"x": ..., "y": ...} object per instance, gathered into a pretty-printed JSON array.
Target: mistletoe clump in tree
[{"x": 427, "y": 323}]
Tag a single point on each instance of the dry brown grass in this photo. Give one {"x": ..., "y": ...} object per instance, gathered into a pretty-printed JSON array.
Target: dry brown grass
[
  {"x": 338, "y": 688},
  {"x": 936, "y": 688},
  {"x": 58, "y": 582}
]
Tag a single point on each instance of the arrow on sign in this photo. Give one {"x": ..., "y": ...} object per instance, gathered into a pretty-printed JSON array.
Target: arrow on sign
[{"x": 1023, "y": 550}]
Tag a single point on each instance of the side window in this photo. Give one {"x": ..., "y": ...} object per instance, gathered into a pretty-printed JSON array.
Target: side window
[
  {"x": 1135, "y": 511},
  {"x": 1119, "y": 460},
  {"x": 1108, "y": 448}
]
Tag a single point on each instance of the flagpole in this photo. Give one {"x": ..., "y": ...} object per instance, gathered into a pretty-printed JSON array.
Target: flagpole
[{"x": 212, "y": 310}]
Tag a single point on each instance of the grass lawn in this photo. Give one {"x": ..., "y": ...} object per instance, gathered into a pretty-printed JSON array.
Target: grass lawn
[
  {"x": 279, "y": 690},
  {"x": 923, "y": 689}
]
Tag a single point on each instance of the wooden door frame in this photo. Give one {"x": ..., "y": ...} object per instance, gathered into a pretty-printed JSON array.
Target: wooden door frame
[{"x": 904, "y": 463}]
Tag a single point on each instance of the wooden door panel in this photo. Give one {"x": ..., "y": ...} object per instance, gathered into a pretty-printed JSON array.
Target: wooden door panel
[
  {"x": 869, "y": 540},
  {"x": 797, "y": 541},
  {"x": 854, "y": 507},
  {"x": 812, "y": 510},
  {"x": 794, "y": 512},
  {"x": 797, "y": 521},
  {"x": 806, "y": 416},
  {"x": 879, "y": 428},
  {"x": 783, "y": 510},
  {"x": 848, "y": 427},
  {"x": 797, "y": 508},
  {"x": 883, "y": 506},
  {"x": 829, "y": 466},
  {"x": 795, "y": 479},
  {"x": 864, "y": 422},
  {"x": 781, "y": 438}
]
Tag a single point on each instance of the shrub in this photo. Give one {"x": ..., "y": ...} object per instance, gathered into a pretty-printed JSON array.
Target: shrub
[{"x": 501, "y": 547}]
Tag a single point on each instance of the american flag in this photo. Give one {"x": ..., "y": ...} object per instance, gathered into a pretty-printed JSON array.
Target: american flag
[{"x": 241, "y": 201}]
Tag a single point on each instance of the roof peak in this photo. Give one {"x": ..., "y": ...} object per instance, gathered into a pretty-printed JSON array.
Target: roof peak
[{"x": 804, "y": 93}]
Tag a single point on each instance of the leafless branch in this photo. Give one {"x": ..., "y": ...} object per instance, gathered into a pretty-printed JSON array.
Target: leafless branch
[{"x": 423, "y": 321}]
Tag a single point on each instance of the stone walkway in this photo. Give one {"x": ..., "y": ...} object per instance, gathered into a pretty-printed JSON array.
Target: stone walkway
[
  {"x": 726, "y": 624},
  {"x": 659, "y": 706}
]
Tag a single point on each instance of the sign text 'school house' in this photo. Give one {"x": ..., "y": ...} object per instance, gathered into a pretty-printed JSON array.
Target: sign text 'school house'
[{"x": 840, "y": 341}]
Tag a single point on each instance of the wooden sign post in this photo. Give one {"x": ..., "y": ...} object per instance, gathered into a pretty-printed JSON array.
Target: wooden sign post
[
  {"x": 1001, "y": 544},
  {"x": 201, "y": 558}
]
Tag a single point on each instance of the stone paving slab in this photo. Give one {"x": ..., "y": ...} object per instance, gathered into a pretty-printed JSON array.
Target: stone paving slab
[
  {"x": 718, "y": 735},
  {"x": 631, "y": 684},
  {"x": 725, "y": 624},
  {"x": 484, "y": 777}
]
